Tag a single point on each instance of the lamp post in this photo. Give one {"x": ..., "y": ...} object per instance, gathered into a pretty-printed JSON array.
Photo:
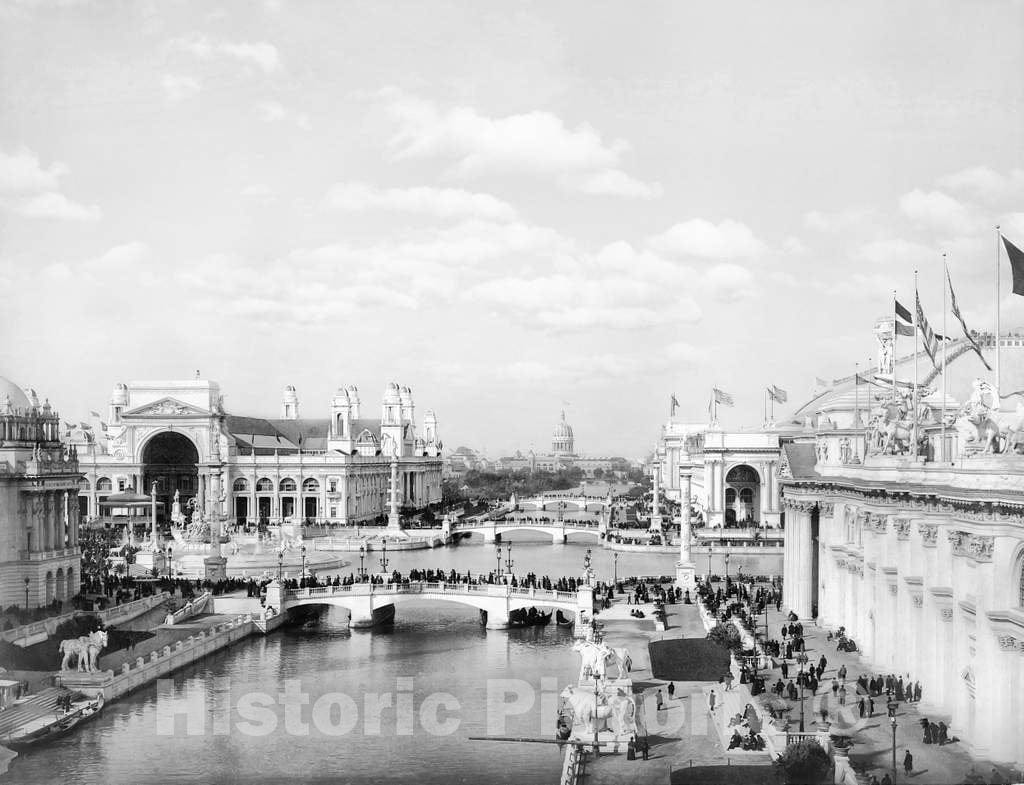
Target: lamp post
[
  {"x": 615, "y": 567},
  {"x": 891, "y": 706},
  {"x": 384, "y": 556},
  {"x": 27, "y": 581},
  {"x": 508, "y": 560},
  {"x": 362, "y": 555},
  {"x": 302, "y": 550},
  {"x": 170, "y": 568},
  {"x": 497, "y": 568},
  {"x": 726, "y": 568},
  {"x": 800, "y": 680},
  {"x": 280, "y": 564}
]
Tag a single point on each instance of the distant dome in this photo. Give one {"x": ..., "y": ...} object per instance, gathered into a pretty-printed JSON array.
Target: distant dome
[
  {"x": 391, "y": 394},
  {"x": 18, "y": 398},
  {"x": 562, "y": 438},
  {"x": 563, "y": 430},
  {"x": 289, "y": 393}
]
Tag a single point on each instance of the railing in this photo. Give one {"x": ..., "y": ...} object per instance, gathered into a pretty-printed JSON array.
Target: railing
[
  {"x": 538, "y": 522},
  {"x": 49, "y": 625},
  {"x": 430, "y": 587}
]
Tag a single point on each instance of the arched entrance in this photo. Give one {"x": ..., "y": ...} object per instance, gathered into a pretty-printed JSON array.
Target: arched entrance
[
  {"x": 742, "y": 496},
  {"x": 171, "y": 461}
]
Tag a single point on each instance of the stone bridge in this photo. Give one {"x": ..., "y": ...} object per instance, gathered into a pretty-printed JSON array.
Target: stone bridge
[
  {"x": 492, "y": 529},
  {"x": 371, "y": 604}
]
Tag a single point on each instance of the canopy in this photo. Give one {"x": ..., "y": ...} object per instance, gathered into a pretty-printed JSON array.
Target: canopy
[{"x": 129, "y": 499}]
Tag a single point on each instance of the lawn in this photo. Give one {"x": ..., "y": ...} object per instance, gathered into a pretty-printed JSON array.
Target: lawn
[{"x": 688, "y": 659}]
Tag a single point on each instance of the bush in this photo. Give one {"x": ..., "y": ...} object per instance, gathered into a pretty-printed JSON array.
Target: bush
[
  {"x": 726, "y": 636},
  {"x": 804, "y": 762}
]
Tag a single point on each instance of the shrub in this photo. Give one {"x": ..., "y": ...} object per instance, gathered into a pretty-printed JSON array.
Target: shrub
[
  {"x": 726, "y": 636},
  {"x": 804, "y": 762}
]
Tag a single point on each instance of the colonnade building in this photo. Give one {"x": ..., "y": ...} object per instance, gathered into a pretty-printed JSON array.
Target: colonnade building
[
  {"x": 916, "y": 546},
  {"x": 40, "y": 559},
  {"x": 333, "y": 470}
]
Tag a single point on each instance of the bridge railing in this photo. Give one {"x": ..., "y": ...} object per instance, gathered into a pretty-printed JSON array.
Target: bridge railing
[
  {"x": 430, "y": 587},
  {"x": 544, "y": 522}
]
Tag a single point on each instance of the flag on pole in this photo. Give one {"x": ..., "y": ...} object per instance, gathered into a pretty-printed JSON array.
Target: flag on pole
[
  {"x": 85, "y": 426},
  {"x": 723, "y": 398},
  {"x": 928, "y": 336},
  {"x": 673, "y": 405},
  {"x": 904, "y": 322},
  {"x": 960, "y": 318},
  {"x": 777, "y": 394},
  {"x": 1016, "y": 256},
  {"x": 95, "y": 414},
  {"x": 819, "y": 382}
]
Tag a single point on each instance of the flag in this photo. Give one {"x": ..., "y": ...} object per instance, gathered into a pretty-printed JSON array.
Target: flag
[
  {"x": 777, "y": 394},
  {"x": 673, "y": 405},
  {"x": 1016, "y": 265},
  {"x": 928, "y": 336},
  {"x": 960, "y": 318},
  {"x": 103, "y": 426},
  {"x": 723, "y": 398},
  {"x": 819, "y": 382},
  {"x": 85, "y": 426},
  {"x": 95, "y": 414},
  {"x": 904, "y": 323}
]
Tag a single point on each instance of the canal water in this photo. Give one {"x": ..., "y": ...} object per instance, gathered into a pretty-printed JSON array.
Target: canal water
[{"x": 395, "y": 704}]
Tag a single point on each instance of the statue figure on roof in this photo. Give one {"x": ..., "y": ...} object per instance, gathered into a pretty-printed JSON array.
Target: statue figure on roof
[{"x": 982, "y": 427}]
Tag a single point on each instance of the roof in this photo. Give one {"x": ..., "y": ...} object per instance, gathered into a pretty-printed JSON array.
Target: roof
[
  {"x": 18, "y": 398},
  {"x": 128, "y": 499},
  {"x": 801, "y": 459},
  {"x": 288, "y": 435}
]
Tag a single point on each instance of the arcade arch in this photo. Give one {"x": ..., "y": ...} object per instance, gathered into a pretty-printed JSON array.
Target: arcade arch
[{"x": 171, "y": 460}]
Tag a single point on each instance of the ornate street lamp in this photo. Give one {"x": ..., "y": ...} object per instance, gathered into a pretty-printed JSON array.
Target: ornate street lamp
[
  {"x": 891, "y": 706},
  {"x": 303, "y": 551},
  {"x": 384, "y": 556},
  {"x": 280, "y": 564},
  {"x": 170, "y": 569},
  {"x": 508, "y": 560},
  {"x": 362, "y": 555},
  {"x": 497, "y": 554},
  {"x": 615, "y": 567},
  {"x": 27, "y": 581},
  {"x": 727, "y": 567}
]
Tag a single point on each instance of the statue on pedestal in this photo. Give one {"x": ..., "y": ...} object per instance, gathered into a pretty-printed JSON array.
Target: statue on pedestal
[{"x": 84, "y": 649}]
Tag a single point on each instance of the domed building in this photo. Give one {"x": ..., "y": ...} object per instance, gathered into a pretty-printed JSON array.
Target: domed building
[
  {"x": 562, "y": 456},
  {"x": 561, "y": 438},
  {"x": 251, "y": 470},
  {"x": 40, "y": 559}
]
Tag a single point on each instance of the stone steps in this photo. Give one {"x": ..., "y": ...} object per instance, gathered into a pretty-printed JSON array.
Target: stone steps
[{"x": 39, "y": 704}]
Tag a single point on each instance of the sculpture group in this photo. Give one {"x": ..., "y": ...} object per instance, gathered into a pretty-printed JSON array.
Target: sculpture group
[
  {"x": 85, "y": 650},
  {"x": 595, "y": 711},
  {"x": 595, "y": 657}
]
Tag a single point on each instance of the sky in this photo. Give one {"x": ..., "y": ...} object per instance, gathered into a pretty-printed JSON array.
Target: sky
[{"x": 514, "y": 208}]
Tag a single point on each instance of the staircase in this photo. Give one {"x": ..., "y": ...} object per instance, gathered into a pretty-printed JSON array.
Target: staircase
[{"x": 39, "y": 704}]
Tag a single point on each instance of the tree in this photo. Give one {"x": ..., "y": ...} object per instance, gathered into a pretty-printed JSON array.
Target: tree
[
  {"x": 726, "y": 636},
  {"x": 804, "y": 762}
]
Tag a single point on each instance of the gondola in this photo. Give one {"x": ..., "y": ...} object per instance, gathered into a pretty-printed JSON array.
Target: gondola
[
  {"x": 59, "y": 727},
  {"x": 561, "y": 621}
]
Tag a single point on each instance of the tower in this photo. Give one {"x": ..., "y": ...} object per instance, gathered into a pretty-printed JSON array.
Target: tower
[
  {"x": 118, "y": 402},
  {"x": 341, "y": 415},
  {"x": 430, "y": 427},
  {"x": 408, "y": 408},
  {"x": 391, "y": 426},
  {"x": 289, "y": 404},
  {"x": 562, "y": 439}
]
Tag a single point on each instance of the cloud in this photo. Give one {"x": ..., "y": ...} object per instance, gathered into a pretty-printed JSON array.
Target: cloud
[
  {"x": 793, "y": 246},
  {"x": 439, "y": 202},
  {"x": 179, "y": 88},
  {"x": 270, "y": 111},
  {"x": 703, "y": 239},
  {"x": 56, "y": 205},
  {"x": 836, "y": 221},
  {"x": 531, "y": 143},
  {"x": 729, "y": 282},
  {"x": 938, "y": 210},
  {"x": 615, "y": 182},
  {"x": 260, "y": 191},
  {"x": 260, "y": 54},
  {"x": 984, "y": 183},
  {"x": 896, "y": 251},
  {"x": 21, "y": 172}
]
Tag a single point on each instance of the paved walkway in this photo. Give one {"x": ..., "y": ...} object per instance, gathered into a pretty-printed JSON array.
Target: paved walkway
[
  {"x": 872, "y": 749},
  {"x": 681, "y": 735},
  {"x": 163, "y": 636}
]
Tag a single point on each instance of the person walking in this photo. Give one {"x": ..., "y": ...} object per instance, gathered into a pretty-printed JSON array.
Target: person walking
[
  {"x": 660, "y": 701},
  {"x": 863, "y": 708},
  {"x": 871, "y": 707},
  {"x": 785, "y": 669},
  {"x": 671, "y": 690},
  {"x": 645, "y": 747},
  {"x": 711, "y": 701},
  {"x": 842, "y": 695},
  {"x": 908, "y": 762}
]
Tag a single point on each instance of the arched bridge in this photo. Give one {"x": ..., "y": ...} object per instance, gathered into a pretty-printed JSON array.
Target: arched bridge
[
  {"x": 371, "y": 604},
  {"x": 519, "y": 522}
]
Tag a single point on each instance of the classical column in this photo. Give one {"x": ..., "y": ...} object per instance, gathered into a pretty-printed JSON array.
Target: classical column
[
  {"x": 805, "y": 560},
  {"x": 153, "y": 533},
  {"x": 343, "y": 487},
  {"x": 685, "y": 569},
  {"x": 394, "y": 518},
  {"x": 656, "y": 503}
]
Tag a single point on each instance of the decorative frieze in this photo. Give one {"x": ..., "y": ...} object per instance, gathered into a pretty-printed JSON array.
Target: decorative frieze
[
  {"x": 826, "y": 508},
  {"x": 902, "y": 526},
  {"x": 929, "y": 533},
  {"x": 946, "y": 614},
  {"x": 975, "y": 546},
  {"x": 877, "y": 522}
]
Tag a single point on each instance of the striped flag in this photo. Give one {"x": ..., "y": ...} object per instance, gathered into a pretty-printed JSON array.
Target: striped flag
[
  {"x": 673, "y": 405},
  {"x": 723, "y": 398},
  {"x": 960, "y": 318},
  {"x": 904, "y": 322},
  {"x": 928, "y": 336},
  {"x": 95, "y": 414},
  {"x": 777, "y": 394}
]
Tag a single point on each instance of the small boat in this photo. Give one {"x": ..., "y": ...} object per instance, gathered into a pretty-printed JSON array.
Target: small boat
[
  {"x": 543, "y": 619},
  {"x": 59, "y": 727},
  {"x": 561, "y": 621}
]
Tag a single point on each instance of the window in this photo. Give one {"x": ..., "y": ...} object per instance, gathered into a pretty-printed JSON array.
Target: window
[
  {"x": 310, "y": 485},
  {"x": 121, "y": 483},
  {"x": 730, "y": 495},
  {"x": 288, "y": 485},
  {"x": 334, "y": 511},
  {"x": 241, "y": 485},
  {"x": 332, "y": 485},
  {"x": 104, "y": 484},
  {"x": 264, "y": 485},
  {"x": 747, "y": 495}
]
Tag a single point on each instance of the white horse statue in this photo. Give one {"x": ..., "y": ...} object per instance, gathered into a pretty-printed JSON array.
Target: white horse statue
[
  {"x": 593, "y": 658},
  {"x": 84, "y": 649},
  {"x": 591, "y": 711}
]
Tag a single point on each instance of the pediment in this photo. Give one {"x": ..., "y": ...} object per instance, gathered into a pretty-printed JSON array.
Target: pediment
[{"x": 166, "y": 407}]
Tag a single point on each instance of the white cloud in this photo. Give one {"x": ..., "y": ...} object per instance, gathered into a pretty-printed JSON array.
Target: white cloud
[
  {"x": 21, "y": 172},
  {"x": 729, "y": 282},
  {"x": 938, "y": 210},
  {"x": 270, "y": 111},
  {"x": 439, "y": 202},
  {"x": 983, "y": 183},
  {"x": 56, "y": 205},
  {"x": 703, "y": 239},
  {"x": 615, "y": 182},
  {"x": 532, "y": 143},
  {"x": 895, "y": 251},
  {"x": 179, "y": 88},
  {"x": 258, "y": 191},
  {"x": 793, "y": 246},
  {"x": 836, "y": 221},
  {"x": 259, "y": 54}
]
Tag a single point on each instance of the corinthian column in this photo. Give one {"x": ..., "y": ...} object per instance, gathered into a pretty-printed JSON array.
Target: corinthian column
[{"x": 685, "y": 569}]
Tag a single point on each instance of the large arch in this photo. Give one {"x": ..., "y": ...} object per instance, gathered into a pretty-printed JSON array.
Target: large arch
[
  {"x": 171, "y": 460},
  {"x": 746, "y": 483}
]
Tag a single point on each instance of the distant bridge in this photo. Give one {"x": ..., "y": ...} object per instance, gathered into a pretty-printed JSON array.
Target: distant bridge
[
  {"x": 371, "y": 604},
  {"x": 558, "y": 530}
]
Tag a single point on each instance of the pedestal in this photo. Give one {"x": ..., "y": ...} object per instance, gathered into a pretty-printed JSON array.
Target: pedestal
[
  {"x": 151, "y": 560},
  {"x": 215, "y": 568},
  {"x": 686, "y": 576}
]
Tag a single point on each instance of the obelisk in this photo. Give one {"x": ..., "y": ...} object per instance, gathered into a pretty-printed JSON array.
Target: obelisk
[{"x": 685, "y": 568}]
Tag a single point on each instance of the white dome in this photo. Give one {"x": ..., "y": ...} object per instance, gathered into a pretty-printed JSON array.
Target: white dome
[
  {"x": 391, "y": 394},
  {"x": 120, "y": 394},
  {"x": 17, "y": 396}
]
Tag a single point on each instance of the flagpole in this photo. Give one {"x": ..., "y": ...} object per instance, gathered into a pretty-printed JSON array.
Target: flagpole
[
  {"x": 765, "y": 406},
  {"x": 945, "y": 272},
  {"x": 916, "y": 353},
  {"x": 895, "y": 335},
  {"x": 856, "y": 395},
  {"x": 998, "y": 286}
]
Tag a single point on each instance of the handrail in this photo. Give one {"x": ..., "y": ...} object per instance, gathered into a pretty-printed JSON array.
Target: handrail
[{"x": 429, "y": 587}]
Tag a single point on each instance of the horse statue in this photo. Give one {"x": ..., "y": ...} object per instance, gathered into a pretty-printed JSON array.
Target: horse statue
[
  {"x": 85, "y": 650},
  {"x": 620, "y": 657},
  {"x": 594, "y": 657},
  {"x": 624, "y": 713},
  {"x": 592, "y": 711},
  {"x": 980, "y": 423}
]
